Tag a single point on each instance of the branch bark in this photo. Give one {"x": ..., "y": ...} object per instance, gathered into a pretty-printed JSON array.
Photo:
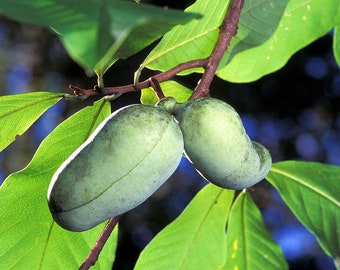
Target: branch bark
[
  {"x": 92, "y": 257},
  {"x": 228, "y": 29},
  {"x": 164, "y": 76}
]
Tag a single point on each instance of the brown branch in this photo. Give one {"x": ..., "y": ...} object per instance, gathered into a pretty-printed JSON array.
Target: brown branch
[
  {"x": 92, "y": 257},
  {"x": 228, "y": 29},
  {"x": 164, "y": 76}
]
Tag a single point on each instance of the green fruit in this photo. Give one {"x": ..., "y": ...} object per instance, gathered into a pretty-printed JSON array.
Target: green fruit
[
  {"x": 126, "y": 159},
  {"x": 216, "y": 142}
]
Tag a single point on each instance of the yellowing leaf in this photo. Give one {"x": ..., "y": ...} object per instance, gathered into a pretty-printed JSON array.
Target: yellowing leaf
[{"x": 170, "y": 89}]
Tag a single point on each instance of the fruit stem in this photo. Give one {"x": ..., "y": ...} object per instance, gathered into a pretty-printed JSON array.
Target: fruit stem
[
  {"x": 228, "y": 29},
  {"x": 92, "y": 257},
  {"x": 157, "y": 88},
  {"x": 100, "y": 83}
]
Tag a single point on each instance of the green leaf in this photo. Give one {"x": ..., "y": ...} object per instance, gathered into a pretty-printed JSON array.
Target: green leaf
[
  {"x": 29, "y": 236},
  {"x": 195, "y": 240},
  {"x": 311, "y": 191},
  {"x": 196, "y": 39},
  {"x": 97, "y": 33},
  {"x": 249, "y": 243},
  {"x": 191, "y": 41},
  {"x": 19, "y": 112},
  {"x": 303, "y": 22},
  {"x": 170, "y": 89},
  {"x": 336, "y": 45}
]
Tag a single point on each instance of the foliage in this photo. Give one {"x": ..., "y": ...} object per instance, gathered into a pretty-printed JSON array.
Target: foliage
[
  {"x": 98, "y": 33},
  {"x": 29, "y": 225},
  {"x": 250, "y": 246},
  {"x": 199, "y": 234},
  {"x": 311, "y": 192},
  {"x": 20, "y": 111}
]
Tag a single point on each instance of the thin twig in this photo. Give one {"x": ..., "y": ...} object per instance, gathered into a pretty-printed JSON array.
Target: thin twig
[
  {"x": 92, "y": 257},
  {"x": 164, "y": 76},
  {"x": 228, "y": 29}
]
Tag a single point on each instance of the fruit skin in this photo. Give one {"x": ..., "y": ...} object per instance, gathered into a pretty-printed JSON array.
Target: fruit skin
[
  {"x": 216, "y": 142},
  {"x": 126, "y": 159}
]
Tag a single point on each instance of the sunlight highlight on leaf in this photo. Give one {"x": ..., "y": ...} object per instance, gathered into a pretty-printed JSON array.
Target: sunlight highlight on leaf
[
  {"x": 170, "y": 89},
  {"x": 33, "y": 240},
  {"x": 336, "y": 44},
  {"x": 19, "y": 112}
]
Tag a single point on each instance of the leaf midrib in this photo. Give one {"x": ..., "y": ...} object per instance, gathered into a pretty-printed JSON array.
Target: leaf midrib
[
  {"x": 317, "y": 191},
  {"x": 33, "y": 103},
  {"x": 199, "y": 229}
]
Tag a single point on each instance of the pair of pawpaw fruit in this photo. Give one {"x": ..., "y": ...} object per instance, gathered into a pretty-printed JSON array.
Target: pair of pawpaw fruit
[{"x": 137, "y": 148}]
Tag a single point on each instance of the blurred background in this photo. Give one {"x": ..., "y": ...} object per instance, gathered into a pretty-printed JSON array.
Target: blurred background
[{"x": 294, "y": 112}]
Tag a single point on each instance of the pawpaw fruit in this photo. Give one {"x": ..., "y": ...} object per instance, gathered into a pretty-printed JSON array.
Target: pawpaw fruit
[
  {"x": 126, "y": 159},
  {"x": 217, "y": 144}
]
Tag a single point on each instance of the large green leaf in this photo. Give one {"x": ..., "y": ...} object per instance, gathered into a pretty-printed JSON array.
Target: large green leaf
[
  {"x": 29, "y": 237},
  {"x": 249, "y": 243},
  {"x": 19, "y": 112},
  {"x": 269, "y": 33},
  {"x": 193, "y": 41},
  {"x": 96, "y": 33},
  {"x": 195, "y": 240},
  {"x": 196, "y": 40},
  {"x": 170, "y": 89},
  {"x": 336, "y": 45},
  {"x": 311, "y": 190},
  {"x": 303, "y": 22}
]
